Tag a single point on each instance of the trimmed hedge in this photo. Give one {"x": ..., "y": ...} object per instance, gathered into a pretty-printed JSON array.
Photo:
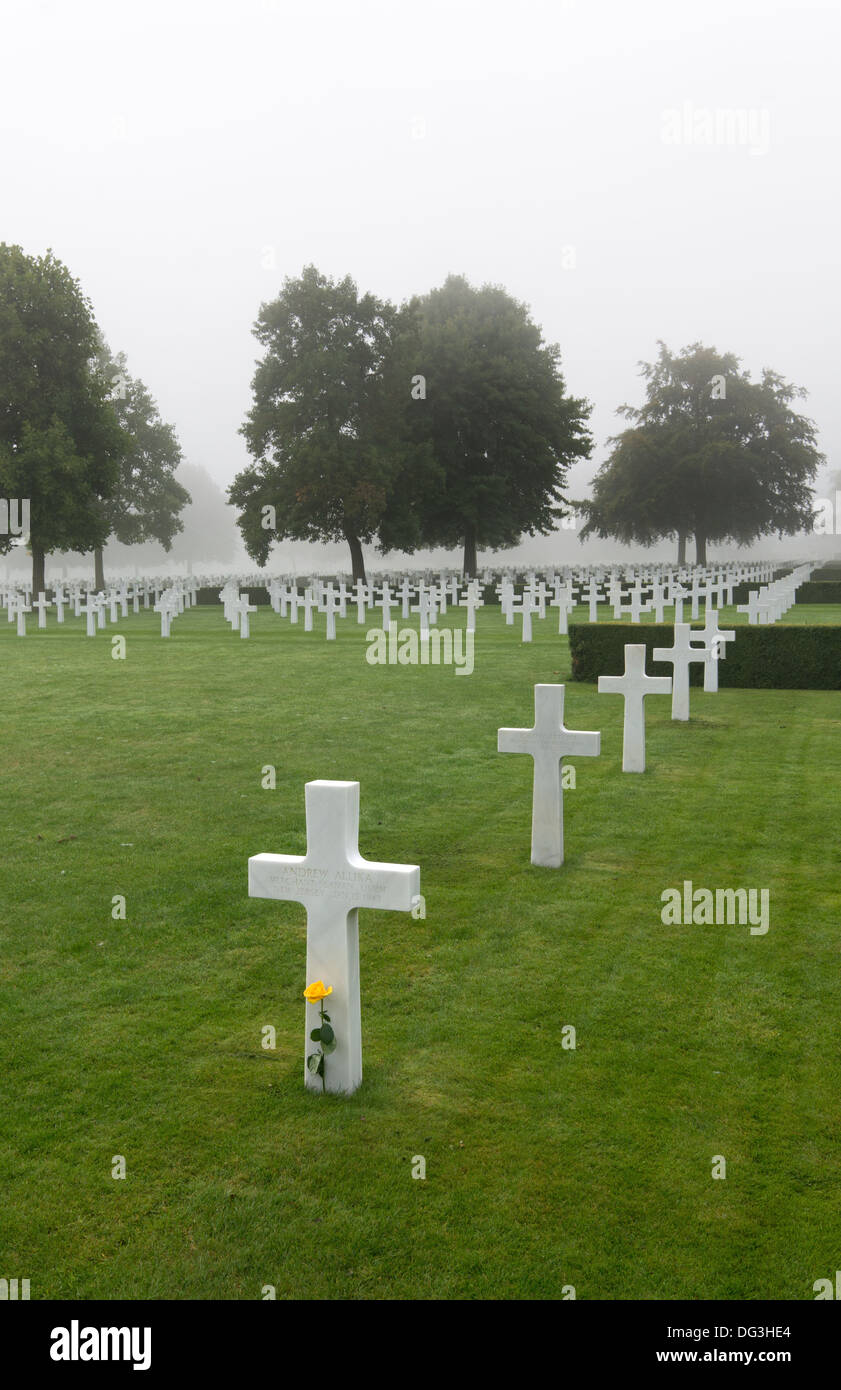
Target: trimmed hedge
[
  {"x": 819, "y": 591},
  {"x": 775, "y": 657}
]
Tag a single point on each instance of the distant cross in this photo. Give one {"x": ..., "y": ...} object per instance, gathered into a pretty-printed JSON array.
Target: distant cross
[
  {"x": 386, "y": 603},
  {"x": 244, "y": 607},
  {"x": 678, "y": 594},
  {"x": 592, "y": 596},
  {"x": 548, "y": 742},
  {"x": 308, "y": 602},
  {"x": 634, "y": 685},
  {"x": 405, "y": 599},
  {"x": 524, "y": 610},
  {"x": 563, "y": 605},
  {"x": 679, "y": 657},
  {"x": 164, "y": 605},
  {"x": 471, "y": 601},
  {"x": 714, "y": 639},
  {"x": 636, "y": 607},
  {"x": 42, "y": 603},
  {"x": 331, "y": 604},
  {"x": 752, "y": 607},
  {"x": 333, "y": 881},
  {"x": 90, "y": 611},
  {"x": 21, "y": 611}
]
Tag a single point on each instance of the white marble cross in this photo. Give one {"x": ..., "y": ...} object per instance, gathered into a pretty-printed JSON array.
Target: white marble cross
[
  {"x": 525, "y": 610},
  {"x": 243, "y": 608},
  {"x": 714, "y": 638},
  {"x": 678, "y": 657},
  {"x": 331, "y": 604},
  {"x": 405, "y": 599},
  {"x": 333, "y": 881},
  {"x": 548, "y": 742},
  {"x": 42, "y": 603},
  {"x": 634, "y": 685},
  {"x": 592, "y": 596},
  {"x": 386, "y": 603},
  {"x": 753, "y": 607},
  {"x": 636, "y": 607},
  {"x": 90, "y": 610},
  {"x": 563, "y": 604},
  {"x": 471, "y": 601},
  {"x": 166, "y": 605}
]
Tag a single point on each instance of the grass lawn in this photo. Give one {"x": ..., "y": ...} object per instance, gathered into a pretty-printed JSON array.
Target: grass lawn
[{"x": 545, "y": 1167}]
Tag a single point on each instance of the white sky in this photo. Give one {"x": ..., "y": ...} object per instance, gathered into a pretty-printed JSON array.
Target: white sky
[{"x": 182, "y": 157}]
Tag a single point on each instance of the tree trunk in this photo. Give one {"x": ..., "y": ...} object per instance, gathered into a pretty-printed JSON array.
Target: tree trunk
[
  {"x": 357, "y": 558},
  {"x": 700, "y": 548},
  {"x": 99, "y": 570},
  {"x": 681, "y": 548},
  {"x": 470, "y": 553},
  {"x": 38, "y": 565}
]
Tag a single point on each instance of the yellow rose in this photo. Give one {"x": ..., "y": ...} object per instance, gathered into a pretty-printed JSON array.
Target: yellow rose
[{"x": 316, "y": 992}]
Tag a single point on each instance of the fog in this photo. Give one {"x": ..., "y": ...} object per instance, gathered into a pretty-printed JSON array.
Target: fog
[{"x": 633, "y": 172}]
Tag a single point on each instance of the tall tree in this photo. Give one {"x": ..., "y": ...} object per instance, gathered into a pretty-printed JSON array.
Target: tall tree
[
  {"x": 60, "y": 441},
  {"x": 146, "y": 502},
  {"x": 325, "y": 429},
  {"x": 496, "y": 417},
  {"x": 710, "y": 453}
]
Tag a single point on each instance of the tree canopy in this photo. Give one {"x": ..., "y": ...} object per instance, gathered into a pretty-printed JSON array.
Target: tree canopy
[
  {"x": 60, "y": 441},
  {"x": 327, "y": 426},
  {"x": 710, "y": 453},
  {"x": 146, "y": 500},
  {"x": 500, "y": 427}
]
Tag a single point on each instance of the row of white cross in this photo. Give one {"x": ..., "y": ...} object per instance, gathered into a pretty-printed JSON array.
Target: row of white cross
[
  {"x": 93, "y": 606},
  {"x": 325, "y": 598},
  {"x": 765, "y": 605},
  {"x": 332, "y": 880}
]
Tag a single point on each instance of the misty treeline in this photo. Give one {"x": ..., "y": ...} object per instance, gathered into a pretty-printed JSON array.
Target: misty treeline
[{"x": 442, "y": 422}]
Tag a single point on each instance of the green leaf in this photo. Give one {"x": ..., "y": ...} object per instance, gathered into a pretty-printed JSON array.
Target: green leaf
[
  {"x": 326, "y": 1018},
  {"x": 315, "y": 1035},
  {"x": 315, "y": 1062},
  {"x": 327, "y": 1034},
  {"x": 328, "y": 1047}
]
